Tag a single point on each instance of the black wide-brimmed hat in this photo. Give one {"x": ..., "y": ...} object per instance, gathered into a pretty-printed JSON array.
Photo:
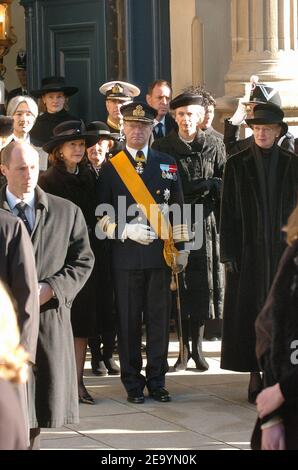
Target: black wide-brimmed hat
[
  {"x": 186, "y": 99},
  {"x": 268, "y": 113},
  {"x": 6, "y": 126},
  {"x": 100, "y": 129},
  {"x": 67, "y": 131},
  {"x": 138, "y": 111},
  {"x": 50, "y": 84}
]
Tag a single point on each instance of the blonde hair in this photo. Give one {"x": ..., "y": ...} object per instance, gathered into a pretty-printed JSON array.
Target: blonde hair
[
  {"x": 13, "y": 358},
  {"x": 291, "y": 228}
]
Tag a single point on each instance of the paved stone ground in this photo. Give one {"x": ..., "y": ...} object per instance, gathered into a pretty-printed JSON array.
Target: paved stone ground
[{"x": 209, "y": 411}]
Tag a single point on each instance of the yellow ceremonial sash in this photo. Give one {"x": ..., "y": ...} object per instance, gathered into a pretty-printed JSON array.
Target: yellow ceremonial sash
[{"x": 147, "y": 204}]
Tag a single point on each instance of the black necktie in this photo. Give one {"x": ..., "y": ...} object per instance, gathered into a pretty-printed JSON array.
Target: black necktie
[
  {"x": 21, "y": 206},
  {"x": 158, "y": 131}
]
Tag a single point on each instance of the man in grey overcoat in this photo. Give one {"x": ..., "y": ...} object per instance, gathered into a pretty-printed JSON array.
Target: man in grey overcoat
[{"x": 64, "y": 261}]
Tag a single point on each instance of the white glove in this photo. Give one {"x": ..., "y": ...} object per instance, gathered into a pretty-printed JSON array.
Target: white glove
[
  {"x": 239, "y": 115},
  {"x": 181, "y": 261},
  {"x": 139, "y": 233}
]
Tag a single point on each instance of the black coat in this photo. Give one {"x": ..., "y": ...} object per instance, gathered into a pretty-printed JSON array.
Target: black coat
[
  {"x": 17, "y": 271},
  {"x": 79, "y": 189},
  {"x": 200, "y": 167},
  {"x": 130, "y": 254},
  {"x": 214, "y": 132},
  {"x": 103, "y": 269},
  {"x": 246, "y": 239},
  {"x": 64, "y": 260},
  {"x": 42, "y": 130},
  {"x": 277, "y": 333}
]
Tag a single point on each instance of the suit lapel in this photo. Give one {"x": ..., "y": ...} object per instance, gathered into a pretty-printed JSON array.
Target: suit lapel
[{"x": 151, "y": 168}]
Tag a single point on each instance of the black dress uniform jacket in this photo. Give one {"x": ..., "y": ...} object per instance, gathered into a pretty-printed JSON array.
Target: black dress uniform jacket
[
  {"x": 251, "y": 236},
  {"x": 64, "y": 260},
  {"x": 17, "y": 271},
  {"x": 132, "y": 255},
  {"x": 141, "y": 275}
]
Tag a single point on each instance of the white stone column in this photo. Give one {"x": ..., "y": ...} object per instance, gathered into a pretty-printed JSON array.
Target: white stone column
[
  {"x": 264, "y": 43},
  {"x": 187, "y": 45}
]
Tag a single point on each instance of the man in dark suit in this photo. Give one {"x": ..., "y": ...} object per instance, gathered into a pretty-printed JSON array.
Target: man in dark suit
[
  {"x": 64, "y": 261},
  {"x": 141, "y": 273},
  {"x": 158, "y": 97}
]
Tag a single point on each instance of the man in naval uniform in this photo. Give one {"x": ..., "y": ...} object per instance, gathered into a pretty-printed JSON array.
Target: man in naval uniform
[
  {"x": 117, "y": 93},
  {"x": 141, "y": 255}
]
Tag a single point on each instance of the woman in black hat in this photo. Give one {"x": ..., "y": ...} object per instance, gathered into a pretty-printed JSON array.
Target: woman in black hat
[
  {"x": 200, "y": 158},
  {"x": 52, "y": 96},
  {"x": 69, "y": 177},
  {"x": 259, "y": 193}
]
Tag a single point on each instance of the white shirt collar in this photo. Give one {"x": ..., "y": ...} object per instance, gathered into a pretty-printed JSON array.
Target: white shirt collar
[
  {"x": 155, "y": 122},
  {"x": 133, "y": 152},
  {"x": 13, "y": 200},
  {"x": 17, "y": 139}
]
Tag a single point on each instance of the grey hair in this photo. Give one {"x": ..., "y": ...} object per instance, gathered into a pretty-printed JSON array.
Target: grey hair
[{"x": 17, "y": 100}]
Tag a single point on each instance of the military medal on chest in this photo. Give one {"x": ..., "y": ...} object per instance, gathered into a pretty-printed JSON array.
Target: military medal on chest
[
  {"x": 140, "y": 161},
  {"x": 166, "y": 195},
  {"x": 168, "y": 171},
  {"x": 139, "y": 168},
  {"x": 164, "y": 207}
]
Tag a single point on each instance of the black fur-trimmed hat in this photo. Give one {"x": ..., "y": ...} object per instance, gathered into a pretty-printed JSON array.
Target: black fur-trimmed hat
[{"x": 186, "y": 99}]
